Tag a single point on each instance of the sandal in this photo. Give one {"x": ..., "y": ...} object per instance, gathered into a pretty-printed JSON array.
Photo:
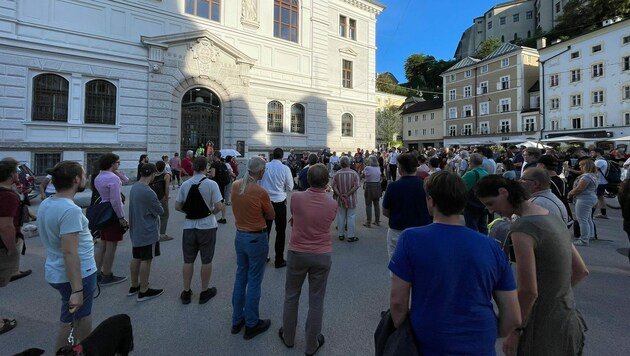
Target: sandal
[
  {"x": 21, "y": 274},
  {"x": 353, "y": 239},
  {"x": 7, "y": 325}
]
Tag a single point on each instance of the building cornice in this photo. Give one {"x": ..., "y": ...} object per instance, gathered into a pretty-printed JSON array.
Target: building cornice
[{"x": 370, "y": 6}]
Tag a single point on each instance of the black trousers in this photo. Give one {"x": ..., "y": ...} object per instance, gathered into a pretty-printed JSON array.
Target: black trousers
[
  {"x": 392, "y": 171},
  {"x": 281, "y": 226}
]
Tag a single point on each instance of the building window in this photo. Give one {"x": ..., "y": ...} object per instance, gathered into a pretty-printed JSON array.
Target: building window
[
  {"x": 484, "y": 68},
  {"x": 558, "y": 8},
  {"x": 575, "y": 55},
  {"x": 504, "y": 105},
  {"x": 596, "y": 49},
  {"x": 598, "y": 97},
  {"x": 274, "y": 116},
  {"x": 529, "y": 124},
  {"x": 452, "y": 113},
  {"x": 576, "y": 75},
  {"x": 505, "y": 62},
  {"x": 50, "y": 98},
  {"x": 346, "y": 125},
  {"x": 483, "y": 88},
  {"x": 598, "y": 121},
  {"x": 346, "y": 75},
  {"x": 100, "y": 102},
  {"x": 484, "y": 128},
  {"x": 576, "y": 100},
  {"x": 467, "y": 91},
  {"x": 502, "y": 20},
  {"x": 554, "y": 79},
  {"x": 468, "y": 111},
  {"x": 452, "y": 94},
  {"x": 597, "y": 70},
  {"x": 347, "y": 27},
  {"x": 515, "y": 18},
  {"x": 467, "y": 130},
  {"x": 555, "y": 125},
  {"x": 424, "y": 117},
  {"x": 452, "y": 77},
  {"x": 555, "y": 103},
  {"x": 529, "y": 15},
  {"x": 505, "y": 82},
  {"x": 489, "y": 25},
  {"x": 626, "y": 118},
  {"x": 625, "y": 92},
  {"x": 625, "y": 63},
  {"x": 297, "y": 118},
  {"x": 208, "y": 9},
  {"x": 285, "y": 19},
  {"x": 424, "y": 132},
  {"x": 504, "y": 126},
  {"x": 484, "y": 108},
  {"x": 626, "y": 39},
  {"x": 45, "y": 161},
  {"x": 452, "y": 130},
  {"x": 408, "y": 133},
  {"x": 468, "y": 73},
  {"x": 576, "y": 123}
]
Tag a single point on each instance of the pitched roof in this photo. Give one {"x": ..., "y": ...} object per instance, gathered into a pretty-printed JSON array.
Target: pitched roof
[
  {"x": 423, "y": 106},
  {"x": 503, "y": 49},
  {"x": 463, "y": 63}
]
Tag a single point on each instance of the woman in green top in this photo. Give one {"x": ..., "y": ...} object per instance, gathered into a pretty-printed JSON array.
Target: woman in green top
[{"x": 548, "y": 267}]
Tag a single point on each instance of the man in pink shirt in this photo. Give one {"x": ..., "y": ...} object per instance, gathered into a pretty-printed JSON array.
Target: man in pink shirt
[{"x": 309, "y": 253}]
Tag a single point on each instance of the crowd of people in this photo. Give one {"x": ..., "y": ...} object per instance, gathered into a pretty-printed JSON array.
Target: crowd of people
[{"x": 434, "y": 259}]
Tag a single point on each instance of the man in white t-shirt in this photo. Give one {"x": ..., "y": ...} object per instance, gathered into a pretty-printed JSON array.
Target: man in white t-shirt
[
  {"x": 70, "y": 267},
  {"x": 393, "y": 163},
  {"x": 200, "y": 234}
]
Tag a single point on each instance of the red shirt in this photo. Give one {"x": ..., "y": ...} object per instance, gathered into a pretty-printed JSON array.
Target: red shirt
[
  {"x": 10, "y": 207},
  {"x": 187, "y": 166},
  {"x": 312, "y": 213}
]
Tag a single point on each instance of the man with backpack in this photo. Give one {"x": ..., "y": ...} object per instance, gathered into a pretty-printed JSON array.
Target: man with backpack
[
  {"x": 200, "y": 198},
  {"x": 220, "y": 174}
]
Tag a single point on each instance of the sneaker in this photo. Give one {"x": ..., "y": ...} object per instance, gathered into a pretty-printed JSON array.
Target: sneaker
[
  {"x": 185, "y": 296},
  {"x": 133, "y": 291},
  {"x": 580, "y": 243},
  {"x": 207, "y": 294},
  {"x": 222, "y": 221},
  {"x": 237, "y": 328},
  {"x": 108, "y": 280},
  {"x": 165, "y": 237},
  {"x": 149, "y": 294},
  {"x": 260, "y": 327},
  {"x": 600, "y": 216}
]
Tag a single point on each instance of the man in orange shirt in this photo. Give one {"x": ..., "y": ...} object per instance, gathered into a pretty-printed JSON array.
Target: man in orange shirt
[{"x": 252, "y": 208}]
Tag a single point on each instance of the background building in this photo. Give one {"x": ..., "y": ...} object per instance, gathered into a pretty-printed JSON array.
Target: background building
[
  {"x": 423, "y": 125},
  {"x": 78, "y": 78}
]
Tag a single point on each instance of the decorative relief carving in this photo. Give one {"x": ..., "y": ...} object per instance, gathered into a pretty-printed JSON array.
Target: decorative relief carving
[
  {"x": 250, "y": 10},
  {"x": 204, "y": 51}
]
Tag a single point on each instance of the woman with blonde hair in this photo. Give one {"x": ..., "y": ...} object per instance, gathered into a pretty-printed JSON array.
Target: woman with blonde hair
[{"x": 584, "y": 193}]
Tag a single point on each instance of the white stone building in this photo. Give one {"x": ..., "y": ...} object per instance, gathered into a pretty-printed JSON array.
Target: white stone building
[
  {"x": 79, "y": 78},
  {"x": 586, "y": 85}
]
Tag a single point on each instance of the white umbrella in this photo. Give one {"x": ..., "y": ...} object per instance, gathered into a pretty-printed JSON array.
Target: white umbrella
[
  {"x": 533, "y": 144},
  {"x": 229, "y": 152},
  {"x": 624, "y": 138},
  {"x": 564, "y": 139}
]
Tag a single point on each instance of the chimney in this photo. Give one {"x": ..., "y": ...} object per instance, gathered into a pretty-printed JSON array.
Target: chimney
[{"x": 541, "y": 43}]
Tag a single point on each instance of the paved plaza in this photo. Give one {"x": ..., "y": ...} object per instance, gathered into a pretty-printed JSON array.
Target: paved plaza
[{"x": 358, "y": 289}]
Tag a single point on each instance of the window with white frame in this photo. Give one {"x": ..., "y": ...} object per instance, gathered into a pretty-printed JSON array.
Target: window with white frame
[
  {"x": 483, "y": 88},
  {"x": 484, "y": 68},
  {"x": 416, "y": 118},
  {"x": 424, "y": 132},
  {"x": 626, "y": 118},
  {"x": 502, "y": 20},
  {"x": 489, "y": 25},
  {"x": 598, "y": 96},
  {"x": 409, "y": 119},
  {"x": 625, "y": 40},
  {"x": 484, "y": 128},
  {"x": 596, "y": 48},
  {"x": 529, "y": 124},
  {"x": 45, "y": 161},
  {"x": 576, "y": 75},
  {"x": 529, "y": 15},
  {"x": 576, "y": 123},
  {"x": 555, "y": 103},
  {"x": 347, "y": 27},
  {"x": 598, "y": 121},
  {"x": 625, "y": 63},
  {"x": 275, "y": 113},
  {"x": 504, "y": 105},
  {"x": 208, "y": 9},
  {"x": 298, "y": 113},
  {"x": 597, "y": 70},
  {"x": 468, "y": 129},
  {"x": 504, "y": 126},
  {"x": 432, "y": 116},
  {"x": 346, "y": 74},
  {"x": 50, "y": 98},
  {"x": 505, "y": 62},
  {"x": 576, "y": 100},
  {"x": 625, "y": 92},
  {"x": 408, "y": 133},
  {"x": 515, "y": 17},
  {"x": 468, "y": 111},
  {"x": 484, "y": 108},
  {"x": 432, "y": 131},
  {"x": 467, "y": 74},
  {"x": 452, "y": 94},
  {"x": 467, "y": 91},
  {"x": 346, "y": 125},
  {"x": 452, "y": 113},
  {"x": 554, "y": 80},
  {"x": 555, "y": 125},
  {"x": 505, "y": 82},
  {"x": 452, "y": 77},
  {"x": 424, "y": 117},
  {"x": 452, "y": 130},
  {"x": 575, "y": 54}
]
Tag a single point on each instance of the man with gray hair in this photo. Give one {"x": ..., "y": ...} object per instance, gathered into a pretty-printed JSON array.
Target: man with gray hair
[
  {"x": 345, "y": 185},
  {"x": 187, "y": 164},
  {"x": 536, "y": 182}
]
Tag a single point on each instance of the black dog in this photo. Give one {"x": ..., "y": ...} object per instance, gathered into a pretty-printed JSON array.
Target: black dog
[{"x": 114, "y": 336}]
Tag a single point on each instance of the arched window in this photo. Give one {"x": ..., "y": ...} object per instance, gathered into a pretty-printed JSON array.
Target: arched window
[
  {"x": 50, "y": 98},
  {"x": 285, "y": 19},
  {"x": 346, "y": 125},
  {"x": 297, "y": 118},
  {"x": 100, "y": 102},
  {"x": 274, "y": 116}
]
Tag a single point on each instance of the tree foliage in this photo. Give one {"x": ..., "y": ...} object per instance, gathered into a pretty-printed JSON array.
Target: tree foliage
[
  {"x": 388, "y": 125},
  {"x": 423, "y": 73},
  {"x": 487, "y": 47},
  {"x": 387, "y": 83},
  {"x": 579, "y": 16}
]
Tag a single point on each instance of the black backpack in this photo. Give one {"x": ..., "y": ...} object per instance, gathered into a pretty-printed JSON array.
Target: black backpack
[
  {"x": 158, "y": 185},
  {"x": 194, "y": 206},
  {"x": 613, "y": 172},
  {"x": 221, "y": 174}
]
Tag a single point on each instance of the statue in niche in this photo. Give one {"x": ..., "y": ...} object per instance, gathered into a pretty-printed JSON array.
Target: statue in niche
[{"x": 249, "y": 10}]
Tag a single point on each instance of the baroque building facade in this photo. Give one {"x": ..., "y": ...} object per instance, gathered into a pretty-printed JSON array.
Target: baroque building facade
[{"x": 79, "y": 78}]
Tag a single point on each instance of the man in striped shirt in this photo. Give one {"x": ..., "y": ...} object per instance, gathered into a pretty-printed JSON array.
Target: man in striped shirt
[{"x": 345, "y": 185}]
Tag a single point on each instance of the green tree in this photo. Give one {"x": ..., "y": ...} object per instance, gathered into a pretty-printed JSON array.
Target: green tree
[
  {"x": 387, "y": 83},
  {"x": 579, "y": 16},
  {"x": 423, "y": 73},
  {"x": 388, "y": 125},
  {"x": 487, "y": 47}
]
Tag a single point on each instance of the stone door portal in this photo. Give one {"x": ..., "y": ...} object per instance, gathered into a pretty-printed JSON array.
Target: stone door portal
[{"x": 201, "y": 120}]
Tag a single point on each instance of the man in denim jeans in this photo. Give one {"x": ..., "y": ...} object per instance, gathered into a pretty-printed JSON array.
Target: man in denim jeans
[{"x": 252, "y": 209}]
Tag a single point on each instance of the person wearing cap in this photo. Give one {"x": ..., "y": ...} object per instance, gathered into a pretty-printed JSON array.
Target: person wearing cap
[
  {"x": 144, "y": 223},
  {"x": 252, "y": 209}
]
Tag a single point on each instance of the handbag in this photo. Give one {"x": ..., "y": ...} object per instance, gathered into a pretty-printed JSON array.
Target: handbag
[{"x": 101, "y": 216}]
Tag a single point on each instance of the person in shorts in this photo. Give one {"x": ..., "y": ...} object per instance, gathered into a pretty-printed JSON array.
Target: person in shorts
[
  {"x": 144, "y": 221},
  {"x": 199, "y": 236},
  {"x": 70, "y": 267}
]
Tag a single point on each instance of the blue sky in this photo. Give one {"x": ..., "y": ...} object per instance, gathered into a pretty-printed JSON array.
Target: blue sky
[{"x": 422, "y": 26}]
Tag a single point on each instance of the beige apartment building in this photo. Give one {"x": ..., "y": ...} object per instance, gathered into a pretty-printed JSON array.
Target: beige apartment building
[
  {"x": 422, "y": 125},
  {"x": 492, "y": 100}
]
